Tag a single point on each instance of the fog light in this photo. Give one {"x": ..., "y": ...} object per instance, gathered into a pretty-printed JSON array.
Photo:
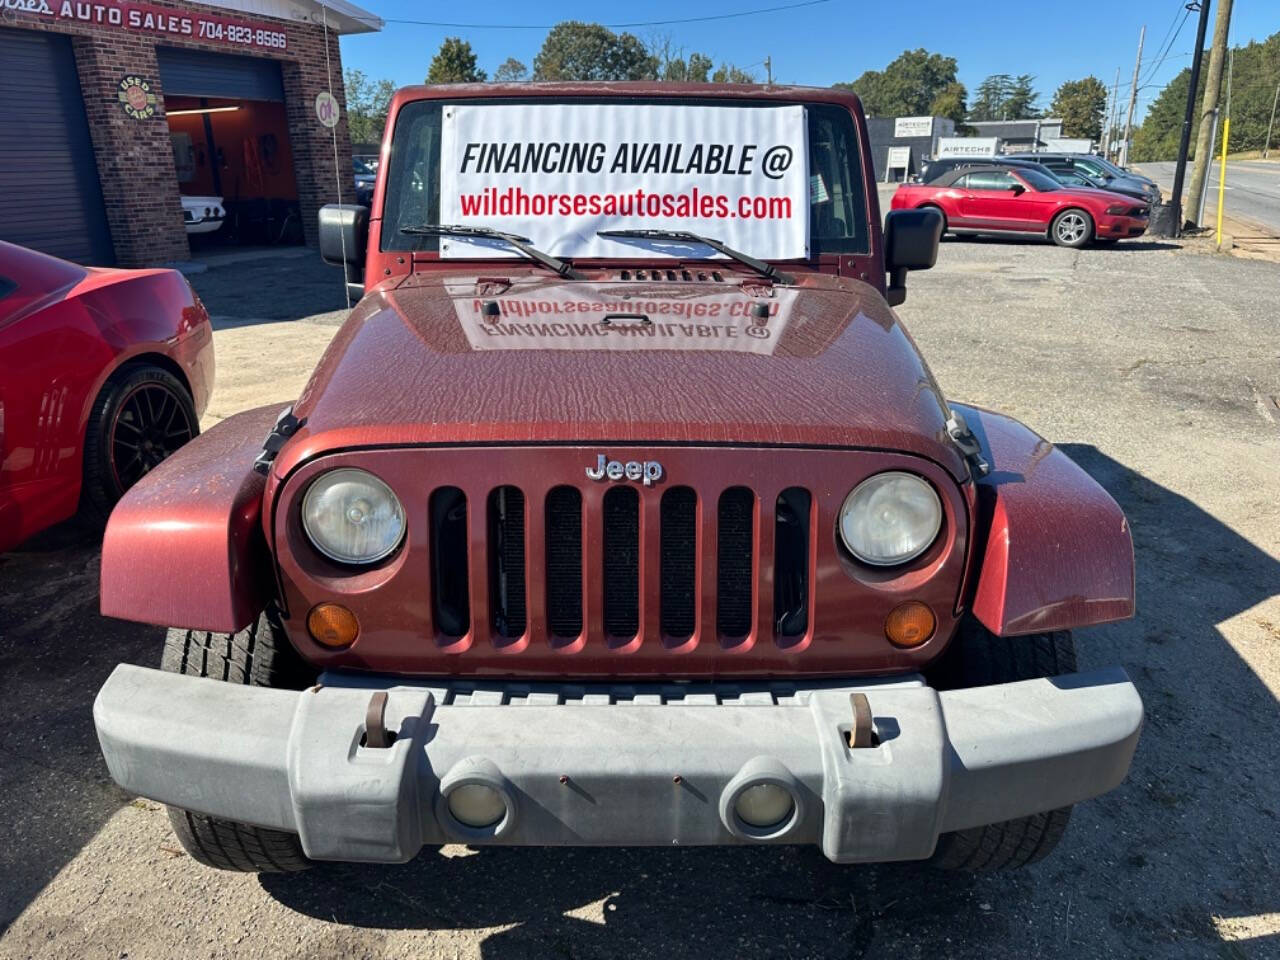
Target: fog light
[
  {"x": 332, "y": 625},
  {"x": 477, "y": 806},
  {"x": 764, "y": 805},
  {"x": 909, "y": 624}
]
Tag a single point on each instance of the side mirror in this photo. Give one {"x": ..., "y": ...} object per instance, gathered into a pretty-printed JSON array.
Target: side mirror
[
  {"x": 910, "y": 243},
  {"x": 1017, "y": 189},
  {"x": 344, "y": 235}
]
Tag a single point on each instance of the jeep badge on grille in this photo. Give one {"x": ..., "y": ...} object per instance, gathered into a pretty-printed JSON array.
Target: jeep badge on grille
[{"x": 647, "y": 471}]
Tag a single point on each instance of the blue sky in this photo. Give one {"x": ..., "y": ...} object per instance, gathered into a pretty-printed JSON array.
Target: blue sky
[{"x": 835, "y": 40}]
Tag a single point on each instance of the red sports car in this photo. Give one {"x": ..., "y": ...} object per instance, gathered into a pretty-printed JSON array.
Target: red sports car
[
  {"x": 1024, "y": 200},
  {"x": 103, "y": 373}
]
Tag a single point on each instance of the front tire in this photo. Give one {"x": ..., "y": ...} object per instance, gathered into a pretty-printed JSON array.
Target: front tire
[
  {"x": 979, "y": 658},
  {"x": 1071, "y": 228},
  {"x": 141, "y": 416},
  {"x": 258, "y": 656}
]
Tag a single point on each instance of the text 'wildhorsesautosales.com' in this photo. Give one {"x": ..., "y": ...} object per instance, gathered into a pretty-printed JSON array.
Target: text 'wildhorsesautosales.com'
[{"x": 557, "y": 173}]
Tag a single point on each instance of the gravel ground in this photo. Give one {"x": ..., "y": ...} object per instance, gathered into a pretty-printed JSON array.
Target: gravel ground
[{"x": 1157, "y": 369}]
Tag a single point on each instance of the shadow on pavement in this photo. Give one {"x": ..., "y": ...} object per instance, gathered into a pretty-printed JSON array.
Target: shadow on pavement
[
  {"x": 270, "y": 289},
  {"x": 1131, "y": 246},
  {"x": 55, "y": 651}
]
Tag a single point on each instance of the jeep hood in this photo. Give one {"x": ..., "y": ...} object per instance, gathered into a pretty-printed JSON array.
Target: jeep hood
[{"x": 658, "y": 360}]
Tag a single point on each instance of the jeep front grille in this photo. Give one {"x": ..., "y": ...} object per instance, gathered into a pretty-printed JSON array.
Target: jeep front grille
[{"x": 618, "y": 553}]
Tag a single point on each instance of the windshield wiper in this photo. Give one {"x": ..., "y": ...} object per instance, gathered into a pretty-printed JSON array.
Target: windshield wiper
[
  {"x": 759, "y": 266},
  {"x": 513, "y": 240}
]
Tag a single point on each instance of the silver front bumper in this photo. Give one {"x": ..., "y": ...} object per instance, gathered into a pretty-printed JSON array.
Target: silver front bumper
[{"x": 577, "y": 766}]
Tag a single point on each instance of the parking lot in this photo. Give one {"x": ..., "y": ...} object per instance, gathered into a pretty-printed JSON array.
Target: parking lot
[{"x": 1156, "y": 368}]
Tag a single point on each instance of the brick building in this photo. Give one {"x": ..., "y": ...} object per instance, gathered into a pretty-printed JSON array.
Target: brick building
[{"x": 127, "y": 127}]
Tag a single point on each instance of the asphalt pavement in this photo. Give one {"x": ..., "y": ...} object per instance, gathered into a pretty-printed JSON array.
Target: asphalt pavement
[
  {"x": 1252, "y": 190},
  {"x": 1155, "y": 368}
]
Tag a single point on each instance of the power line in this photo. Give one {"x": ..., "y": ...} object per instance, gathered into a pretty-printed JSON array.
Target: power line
[
  {"x": 1164, "y": 44},
  {"x": 1162, "y": 54},
  {"x": 613, "y": 26}
]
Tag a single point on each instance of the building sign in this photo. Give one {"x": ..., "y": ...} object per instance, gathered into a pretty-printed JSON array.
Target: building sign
[
  {"x": 158, "y": 22},
  {"x": 899, "y": 158},
  {"x": 964, "y": 147},
  {"x": 327, "y": 109},
  {"x": 1069, "y": 145},
  {"x": 137, "y": 97},
  {"x": 559, "y": 173},
  {"x": 913, "y": 127}
]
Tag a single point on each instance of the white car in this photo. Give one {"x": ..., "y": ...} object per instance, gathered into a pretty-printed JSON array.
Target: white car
[{"x": 202, "y": 214}]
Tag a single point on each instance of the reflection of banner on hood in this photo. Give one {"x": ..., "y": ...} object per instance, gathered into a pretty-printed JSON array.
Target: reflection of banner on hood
[
  {"x": 571, "y": 319},
  {"x": 559, "y": 172}
]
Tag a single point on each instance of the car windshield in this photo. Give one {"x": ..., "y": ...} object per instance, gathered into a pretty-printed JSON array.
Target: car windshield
[
  {"x": 561, "y": 192},
  {"x": 362, "y": 166},
  {"x": 1038, "y": 180}
]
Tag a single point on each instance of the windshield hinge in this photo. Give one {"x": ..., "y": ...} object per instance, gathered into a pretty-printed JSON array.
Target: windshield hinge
[
  {"x": 285, "y": 427},
  {"x": 967, "y": 443}
]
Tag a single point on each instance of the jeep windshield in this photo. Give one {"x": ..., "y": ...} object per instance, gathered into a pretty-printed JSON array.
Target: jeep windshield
[{"x": 776, "y": 181}]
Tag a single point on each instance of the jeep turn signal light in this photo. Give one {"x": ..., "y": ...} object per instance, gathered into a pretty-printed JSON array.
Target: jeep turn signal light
[
  {"x": 332, "y": 625},
  {"x": 910, "y": 624}
]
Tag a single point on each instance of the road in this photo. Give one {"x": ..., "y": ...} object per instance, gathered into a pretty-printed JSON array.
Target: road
[
  {"x": 1252, "y": 191},
  {"x": 1156, "y": 368}
]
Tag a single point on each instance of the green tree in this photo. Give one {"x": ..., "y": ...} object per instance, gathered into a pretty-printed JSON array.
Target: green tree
[
  {"x": 587, "y": 51},
  {"x": 1253, "y": 85},
  {"x": 728, "y": 73},
  {"x": 1021, "y": 104},
  {"x": 697, "y": 69},
  {"x": 950, "y": 103},
  {"x": 1002, "y": 96},
  {"x": 367, "y": 103},
  {"x": 1080, "y": 104},
  {"x": 510, "y": 70},
  {"x": 907, "y": 87},
  {"x": 455, "y": 63}
]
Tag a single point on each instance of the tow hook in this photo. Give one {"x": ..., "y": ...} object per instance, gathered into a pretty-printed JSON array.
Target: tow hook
[
  {"x": 862, "y": 734},
  {"x": 964, "y": 439},
  {"x": 376, "y": 735}
]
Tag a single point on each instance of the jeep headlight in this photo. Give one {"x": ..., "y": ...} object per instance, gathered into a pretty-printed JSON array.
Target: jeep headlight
[
  {"x": 890, "y": 518},
  {"x": 353, "y": 517}
]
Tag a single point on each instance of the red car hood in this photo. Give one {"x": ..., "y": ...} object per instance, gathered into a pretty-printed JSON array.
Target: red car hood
[{"x": 423, "y": 364}]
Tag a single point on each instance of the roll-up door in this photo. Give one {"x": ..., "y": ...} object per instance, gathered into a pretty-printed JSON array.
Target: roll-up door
[
  {"x": 50, "y": 199},
  {"x": 194, "y": 73}
]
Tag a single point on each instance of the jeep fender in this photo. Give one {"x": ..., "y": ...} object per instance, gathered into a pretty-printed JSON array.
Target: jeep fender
[
  {"x": 184, "y": 546},
  {"x": 1057, "y": 551}
]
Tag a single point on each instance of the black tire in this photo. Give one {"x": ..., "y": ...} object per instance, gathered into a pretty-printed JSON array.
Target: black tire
[
  {"x": 1072, "y": 227},
  {"x": 141, "y": 415},
  {"x": 258, "y": 656},
  {"x": 979, "y": 658}
]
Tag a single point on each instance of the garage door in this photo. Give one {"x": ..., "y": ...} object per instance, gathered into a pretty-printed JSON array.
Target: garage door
[
  {"x": 193, "y": 73},
  {"x": 49, "y": 194}
]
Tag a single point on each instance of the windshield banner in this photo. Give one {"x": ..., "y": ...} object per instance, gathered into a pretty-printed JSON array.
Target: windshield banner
[{"x": 556, "y": 173}]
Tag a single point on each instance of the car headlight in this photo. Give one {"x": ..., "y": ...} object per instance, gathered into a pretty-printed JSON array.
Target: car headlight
[
  {"x": 353, "y": 517},
  {"x": 1118, "y": 209},
  {"x": 890, "y": 518}
]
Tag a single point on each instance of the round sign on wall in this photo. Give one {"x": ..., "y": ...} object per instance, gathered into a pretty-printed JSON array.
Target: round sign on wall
[
  {"x": 327, "y": 109},
  {"x": 137, "y": 98}
]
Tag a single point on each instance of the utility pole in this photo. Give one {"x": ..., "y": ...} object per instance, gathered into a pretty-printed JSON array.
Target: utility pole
[
  {"x": 1111, "y": 116},
  {"x": 1133, "y": 99},
  {"x": 1209, "y": 106},
  {"x": 1267, "y": 149},
  {"x": 768, "y": 69},
  {"x": 1185, "y": 143}
]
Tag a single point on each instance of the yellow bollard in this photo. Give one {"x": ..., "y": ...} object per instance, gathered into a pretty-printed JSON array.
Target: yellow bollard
[{"x": 1222, "y": 176}]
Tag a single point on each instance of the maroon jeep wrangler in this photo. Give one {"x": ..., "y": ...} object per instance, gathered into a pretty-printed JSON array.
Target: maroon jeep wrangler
[{"x": 621, "y": 510}]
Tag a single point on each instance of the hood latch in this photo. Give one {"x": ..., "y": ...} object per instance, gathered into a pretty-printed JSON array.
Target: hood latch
[{"x": 967, "y": 443}]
